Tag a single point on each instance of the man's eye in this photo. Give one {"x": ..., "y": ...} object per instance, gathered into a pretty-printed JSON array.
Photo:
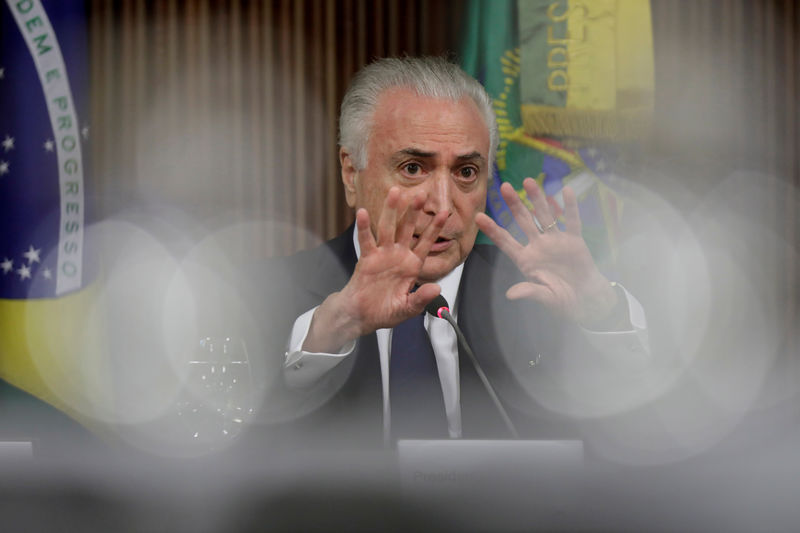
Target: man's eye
[
  {"x": 412, "y": 168},
  {"x": 467, "y": 172}
]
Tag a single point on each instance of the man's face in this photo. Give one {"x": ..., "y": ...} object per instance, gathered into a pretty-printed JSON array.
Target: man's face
[{"x": 426, "y": 144}]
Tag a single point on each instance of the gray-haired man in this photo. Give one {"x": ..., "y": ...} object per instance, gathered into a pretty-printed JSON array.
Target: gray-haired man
[{"x": 418, "y": 138}]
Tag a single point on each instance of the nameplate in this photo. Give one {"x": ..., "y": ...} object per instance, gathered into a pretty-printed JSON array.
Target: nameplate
[
  {"x": 16, "y": 450},
  {"x": 493, "y": 478}
]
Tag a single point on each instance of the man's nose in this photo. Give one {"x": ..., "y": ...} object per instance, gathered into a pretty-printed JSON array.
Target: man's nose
[{"x": 440, "y": 194}]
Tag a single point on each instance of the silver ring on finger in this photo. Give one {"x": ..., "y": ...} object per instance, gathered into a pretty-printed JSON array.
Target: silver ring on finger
[{"x": 549, "y": 226}]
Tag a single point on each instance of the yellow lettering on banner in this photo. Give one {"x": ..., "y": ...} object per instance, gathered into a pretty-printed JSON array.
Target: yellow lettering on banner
[
  {"x": 553, "y": 41},
  {"x": 553, "y": 62},
  {"x": 558, "y": 55},
  {"x": 551, "y": 13},
  {"x": 558, "y": 80}
]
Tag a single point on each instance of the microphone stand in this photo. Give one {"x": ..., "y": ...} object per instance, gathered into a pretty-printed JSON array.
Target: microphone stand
[{"x": 439, "y": 307}]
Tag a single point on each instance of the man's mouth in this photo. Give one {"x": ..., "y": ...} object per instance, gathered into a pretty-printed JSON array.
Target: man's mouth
[{"x": 439, "y": 245}]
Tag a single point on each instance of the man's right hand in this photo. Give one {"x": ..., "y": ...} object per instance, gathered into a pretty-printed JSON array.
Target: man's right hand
[{"x": 378, "y": 294}]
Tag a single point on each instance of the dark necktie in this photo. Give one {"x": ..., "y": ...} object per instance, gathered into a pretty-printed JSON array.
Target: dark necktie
[{"x": 415, "y": 391}]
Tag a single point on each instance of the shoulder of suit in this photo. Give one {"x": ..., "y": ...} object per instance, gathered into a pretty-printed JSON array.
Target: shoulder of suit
[
  {"x": 489, "y": 256},
  {"x": 337, "y": 250}
]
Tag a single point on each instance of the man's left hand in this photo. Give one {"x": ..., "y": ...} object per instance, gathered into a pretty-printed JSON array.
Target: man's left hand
[{"x": 558, "y": 268}]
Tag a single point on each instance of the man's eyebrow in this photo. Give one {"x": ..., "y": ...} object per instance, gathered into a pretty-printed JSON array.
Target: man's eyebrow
[
  {"x": 414, "y": 152},
  {"x": 470, "y": 156}
]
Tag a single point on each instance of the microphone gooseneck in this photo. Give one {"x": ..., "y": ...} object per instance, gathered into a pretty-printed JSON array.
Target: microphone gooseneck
[{"x": 440, "y": 308}]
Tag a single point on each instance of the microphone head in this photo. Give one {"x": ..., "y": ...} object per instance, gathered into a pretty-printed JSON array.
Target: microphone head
[{"x": 436, "y": 306}]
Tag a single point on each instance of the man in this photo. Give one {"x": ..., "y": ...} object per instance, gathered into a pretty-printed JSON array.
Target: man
[{"x": 418, "y": 138}]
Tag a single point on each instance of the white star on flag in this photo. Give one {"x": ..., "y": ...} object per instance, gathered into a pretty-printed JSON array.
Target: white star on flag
[
  {"x": 7, "y": 265},
  {"x": 8, "y": 143},
  {"x": 48, "y": 145},
  {"x": 85, "y": 132},
  {"x": 47, "y": 274},
  {"x": 24, "y": 272},
  {"x": 32, "y": 255},
  {"x": 3, "y": 167}
]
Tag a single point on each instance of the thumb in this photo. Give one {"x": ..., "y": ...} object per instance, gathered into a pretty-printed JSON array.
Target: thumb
[
  {"x": 423, "y": 296},
  {"x": 532, "y": 291}
]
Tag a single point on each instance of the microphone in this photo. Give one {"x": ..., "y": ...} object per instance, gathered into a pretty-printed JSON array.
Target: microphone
[
  {"x": 440, "y": 308},
  {"x": 437, "y": 306}
]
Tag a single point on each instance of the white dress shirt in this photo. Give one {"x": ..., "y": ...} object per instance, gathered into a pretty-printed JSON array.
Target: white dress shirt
[{"x": 303, "y": 369}]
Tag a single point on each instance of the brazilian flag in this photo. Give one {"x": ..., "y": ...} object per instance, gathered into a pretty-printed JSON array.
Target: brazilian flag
[
  {"x": 45, "y": 338},
  {"x": 572, "y": 85}
]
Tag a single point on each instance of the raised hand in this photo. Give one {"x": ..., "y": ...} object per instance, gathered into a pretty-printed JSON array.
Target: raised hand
[
  {"x": 378, "y": 294},
  {"x": 558, "y": 268}
]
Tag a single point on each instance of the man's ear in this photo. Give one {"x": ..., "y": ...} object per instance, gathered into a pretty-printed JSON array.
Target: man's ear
[{"x": 349, "y": 176}]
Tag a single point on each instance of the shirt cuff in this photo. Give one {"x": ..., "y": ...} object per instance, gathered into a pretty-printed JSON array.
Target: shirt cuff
[
  {"x": 630, "y": 344},
  {"x": 301, "y": 368}
]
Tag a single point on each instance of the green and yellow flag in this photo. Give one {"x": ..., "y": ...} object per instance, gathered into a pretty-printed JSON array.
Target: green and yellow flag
[
  {"x": 572, "y": 83},
  {"x": 47, "y": 346}
]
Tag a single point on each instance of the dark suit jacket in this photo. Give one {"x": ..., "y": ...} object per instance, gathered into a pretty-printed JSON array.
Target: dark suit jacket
[{"x": 517, "y": 344}]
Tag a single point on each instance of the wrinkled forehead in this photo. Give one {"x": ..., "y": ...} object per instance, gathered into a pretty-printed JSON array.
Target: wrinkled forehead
[
  {"x": 404, "y": 113},
  {"x": 402, "y": 98}
]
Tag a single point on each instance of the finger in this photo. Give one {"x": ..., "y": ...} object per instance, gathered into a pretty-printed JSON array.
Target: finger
[
  {"x": 572, "y": 216},
  {"x": 521, "y": 213},
  {"x": 366, "y": 240},
  {"x": 387, "y": 224},
  {"x": 531, "y": 291},
  {"x": 423, "y": 296},
  {"x": 430, "y": 234},
  {"x": 541, "y": 210},
  {"x": 502, "y": 238},
  {"x": 408, "y": 223},
  {"x": 401, "y": 212}
]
